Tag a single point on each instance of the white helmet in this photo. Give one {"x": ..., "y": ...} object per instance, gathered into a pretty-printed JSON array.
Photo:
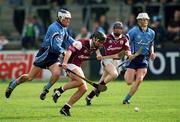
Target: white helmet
[
  {"x": 142, "y": 16},
  {"x": 64, "y": 14}
]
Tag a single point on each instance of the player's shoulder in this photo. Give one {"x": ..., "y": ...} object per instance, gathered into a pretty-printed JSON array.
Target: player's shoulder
[
  {"x": 151, "y": 30},
  {"x": 125, "y": 37},
  {"x": 134, "y": 29},
  {"x": 109, "y": 36},
  {"x": 84, "y": 41},
  {"x": 55, "y": 26}
]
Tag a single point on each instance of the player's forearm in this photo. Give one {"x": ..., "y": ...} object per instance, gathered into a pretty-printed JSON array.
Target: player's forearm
[
  {"x": 128, "y": 53},
  {"x": 98, "y": 55},
  {"x": 67, "y": 56},
  {"x": 152, "y": 50}
]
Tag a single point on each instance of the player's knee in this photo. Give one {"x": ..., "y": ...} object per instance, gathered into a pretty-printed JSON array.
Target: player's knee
[
  {"x": 139, "y": 79},
  {"x": 128, "y": 80},
  {"x": 114, "y": 75},
  {"x": 84, "y": 88},
  {"x": 56, "y": 74},
  {"x": 26, "y": 77},
  {"x": 80, "y": 83}
]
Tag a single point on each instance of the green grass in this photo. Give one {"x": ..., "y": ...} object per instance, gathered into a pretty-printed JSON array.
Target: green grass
[{"x": 157, "y": 101}]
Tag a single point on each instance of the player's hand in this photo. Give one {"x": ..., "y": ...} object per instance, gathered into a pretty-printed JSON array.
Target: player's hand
[
  {"x": 63, "y": 53},
  {"x": 64, "y": 65},
  {"x": 131, "y": 57},
  {"x": 99, "y": 57},
  {"x": 152, "y": 56}
]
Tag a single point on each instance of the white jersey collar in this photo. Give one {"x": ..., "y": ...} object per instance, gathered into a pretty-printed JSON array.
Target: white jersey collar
[{"x": 120, "y": 36}]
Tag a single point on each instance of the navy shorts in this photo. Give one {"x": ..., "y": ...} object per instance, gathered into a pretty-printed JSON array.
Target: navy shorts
[
  {"x": 51, "y": 59},
  {"x": 140, "y": 61}
]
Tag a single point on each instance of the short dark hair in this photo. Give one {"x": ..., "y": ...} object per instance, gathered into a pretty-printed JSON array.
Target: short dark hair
[{"x": 99, "y": 36}]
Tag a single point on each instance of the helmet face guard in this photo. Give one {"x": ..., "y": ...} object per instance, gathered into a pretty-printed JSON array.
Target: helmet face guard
[{"x": 99, "y": 37}]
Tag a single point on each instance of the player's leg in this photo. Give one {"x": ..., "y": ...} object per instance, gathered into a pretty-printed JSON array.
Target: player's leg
[
  {"x": 82, "y": 88},
  {"x": 55, "y": 71},
  {"x": 91, "y": 95},
  {"x": 23, "y": 78},
  {"x": 110, "y": 73},
  {"x": 140, "y": 74},
  {"x": 69, "y": 85},
  {"x": 129, "y": 78},
  {"x": 74, "y": 98}
]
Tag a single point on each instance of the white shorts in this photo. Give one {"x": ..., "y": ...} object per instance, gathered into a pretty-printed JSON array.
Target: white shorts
[
  {"x": 73, "y": 66},
  {"x": 116, "y": 63}
]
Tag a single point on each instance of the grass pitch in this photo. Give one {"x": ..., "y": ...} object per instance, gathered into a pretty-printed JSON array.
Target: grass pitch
[{"x": 158, "y": 101}]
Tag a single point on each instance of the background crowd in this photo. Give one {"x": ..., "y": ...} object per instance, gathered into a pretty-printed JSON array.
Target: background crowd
[{"x": 31, "y": 18}]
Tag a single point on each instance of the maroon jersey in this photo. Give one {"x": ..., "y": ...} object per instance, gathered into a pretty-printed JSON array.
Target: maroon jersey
[
  {"x": 113, "y": 46},
  {"x": 78, "y": 56}
]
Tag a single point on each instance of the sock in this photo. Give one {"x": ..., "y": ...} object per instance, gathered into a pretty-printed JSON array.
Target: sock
[
  {"x": 61, "y": 90},
  {"x": 91, "y": 95},
  {"x": 48, "y": 86},
  {"x": 67, "y": 106},
  {"x": 128, "y": 97},
  {"x": 13, "y": 84},
  {"x": 102, "y": 82}
]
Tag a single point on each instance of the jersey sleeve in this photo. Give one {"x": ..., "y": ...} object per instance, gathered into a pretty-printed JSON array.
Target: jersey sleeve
[
  {"x": 130, "y": 34},
  {"x": 153, "y": 36},
  {"x": 77, "y": 46},
  {"x": 126, "y": 44},
  {"x": 71, "y": 40},
  {"x": 57, "y": 40}
]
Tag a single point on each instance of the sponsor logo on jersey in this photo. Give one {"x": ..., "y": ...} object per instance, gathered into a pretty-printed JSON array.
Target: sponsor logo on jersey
[
  {"x": 113, "y": 48},
  {"x": 83, "y": 57}
]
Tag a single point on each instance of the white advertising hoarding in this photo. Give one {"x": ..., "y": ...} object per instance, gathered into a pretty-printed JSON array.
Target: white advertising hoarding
[{"x": 15, "y": 63}]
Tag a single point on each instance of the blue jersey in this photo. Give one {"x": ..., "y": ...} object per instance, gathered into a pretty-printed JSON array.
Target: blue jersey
[
  {"x": 55, "y": 42},
  {"x": 57, "y": 38},
  {"x": 138, "y": 39}
]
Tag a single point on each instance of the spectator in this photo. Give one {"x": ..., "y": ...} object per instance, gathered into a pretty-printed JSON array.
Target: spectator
[
  {"x": 174, "y": 28},
  {"x": 97, "y": 27},
  {"x": 3, "y": 41},
  {"x": 18, "y": 14},
  {"x": 30, "y": 34},
  {"x": 160, "y": 36},
  {"x": 40, "y": 30},
  {"x": 84, "y": 34},
  {"x": 99, "y": 7},
  {"x": 103, "y": 23},
  {"x": 71, "y": 32},
  {"x": 58, "y": 3},
  {"x": 38, "y": 23},
  {"x": 43, "y": 13},
  {"x": 130, "y": 23},
  {"x": 174, "y": 1}
]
